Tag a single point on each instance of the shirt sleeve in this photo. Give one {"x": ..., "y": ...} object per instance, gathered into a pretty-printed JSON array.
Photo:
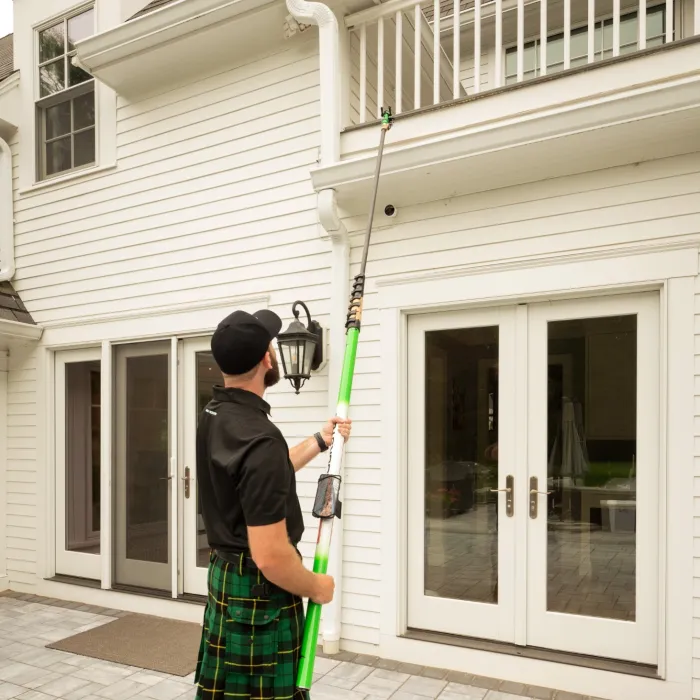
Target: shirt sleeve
[{"x": 264, "y": 483}]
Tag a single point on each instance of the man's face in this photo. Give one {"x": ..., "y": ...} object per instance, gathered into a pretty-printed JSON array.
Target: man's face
[{"x": 272, "y": 376}]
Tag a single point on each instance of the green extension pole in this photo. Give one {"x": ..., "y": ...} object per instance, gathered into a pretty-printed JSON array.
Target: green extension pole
[{"x": 327, "y": 504}]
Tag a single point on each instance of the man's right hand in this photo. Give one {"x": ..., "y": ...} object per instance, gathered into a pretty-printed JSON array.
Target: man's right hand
[{"x": 324, "y": 589}]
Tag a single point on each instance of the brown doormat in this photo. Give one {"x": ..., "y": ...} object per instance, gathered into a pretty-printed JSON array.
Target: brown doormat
[{"x": 143, "y": 641}]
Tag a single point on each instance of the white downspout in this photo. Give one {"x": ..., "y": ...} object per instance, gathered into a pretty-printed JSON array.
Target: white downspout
[
  {"x": 332, "y": 227},
  {"x": 7, "y": 220}
]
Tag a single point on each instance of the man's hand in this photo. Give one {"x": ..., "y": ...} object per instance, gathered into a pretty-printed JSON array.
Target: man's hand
[
  {"x": 344, "y": 427},
  {"x": 325, "y": 588}
]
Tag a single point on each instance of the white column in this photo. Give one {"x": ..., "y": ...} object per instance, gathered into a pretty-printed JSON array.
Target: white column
[{"x": 340, "y": 294}]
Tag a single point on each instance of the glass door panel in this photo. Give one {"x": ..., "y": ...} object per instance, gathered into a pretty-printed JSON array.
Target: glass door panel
[
  {"x": 143, "y": 474},
  {"x": 593, "y": 470},
  {"x": 461, "y": 519}
]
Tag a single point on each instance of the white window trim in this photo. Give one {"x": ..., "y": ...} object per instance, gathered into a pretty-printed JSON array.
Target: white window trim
[
  {"x": 673, "y": 273},
  {"x": 30, "y": 180}
]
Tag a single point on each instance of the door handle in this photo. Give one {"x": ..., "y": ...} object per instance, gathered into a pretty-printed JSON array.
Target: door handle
[
  {"x": 533, "y": 496},
  {"x": 165, "y": 478},
  {"x": 508, "y": 490},
  {"x": 186, "y": 479}
]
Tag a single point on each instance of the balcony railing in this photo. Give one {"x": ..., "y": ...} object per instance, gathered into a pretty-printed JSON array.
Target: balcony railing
[{"x": 416, "y": 53}]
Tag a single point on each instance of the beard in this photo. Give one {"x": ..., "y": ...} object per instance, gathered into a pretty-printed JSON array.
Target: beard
[{"x": 272, "y": 376}]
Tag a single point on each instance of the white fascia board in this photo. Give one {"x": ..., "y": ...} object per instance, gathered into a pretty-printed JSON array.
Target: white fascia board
[
  {"x": 157, "y": 29},
  {"x": 9, "y": 105}
]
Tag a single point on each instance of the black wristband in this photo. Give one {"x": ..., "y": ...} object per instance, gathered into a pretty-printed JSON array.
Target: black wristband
[{"x": 321, "y": 442}]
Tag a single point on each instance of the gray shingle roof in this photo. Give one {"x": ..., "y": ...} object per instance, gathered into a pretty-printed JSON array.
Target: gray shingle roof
[
  {"x": 153, "y": 5},
  {"x": 11, "y": 306},
  {"x": 7, "y": 66}
]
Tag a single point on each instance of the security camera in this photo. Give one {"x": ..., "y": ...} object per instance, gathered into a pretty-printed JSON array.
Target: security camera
[{"x": 390, "y": 210}]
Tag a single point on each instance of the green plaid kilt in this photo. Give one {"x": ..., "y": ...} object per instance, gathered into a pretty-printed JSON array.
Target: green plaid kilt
[{"x": 251, "y": 638}]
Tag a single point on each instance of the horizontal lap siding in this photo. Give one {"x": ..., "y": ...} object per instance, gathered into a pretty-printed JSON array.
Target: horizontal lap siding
[
  {"x": 651, "y": 203},
  {"x": 21, "y": 508},
  {"x": 211, "y": 198}
]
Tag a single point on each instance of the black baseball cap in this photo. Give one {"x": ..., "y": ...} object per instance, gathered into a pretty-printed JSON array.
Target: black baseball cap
[{"x": 242, "y": 339}]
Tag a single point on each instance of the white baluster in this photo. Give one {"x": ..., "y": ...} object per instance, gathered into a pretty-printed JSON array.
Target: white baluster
[
  {"x": 477, "y": 45},
  {"x": 436, "y": 52},
  {"x": 455, "y": 50},
  {"x": 642, "y": 24},
  {"x": 669, "y": 20},
  {"x": 417, "y": 57},
  {"x": 380, "y": 66},
  {"x": 616, "y": 27},
  {"x": 567, "y": 34},
  {"x": 363, "y": 74},
  {"x": 543, "y": 37},
  {"x": 499, "y": 43},
  {"x": 399, "y": 61},
  {"x": 591, "y": 31},
  {"x": 520, "y": 57}
]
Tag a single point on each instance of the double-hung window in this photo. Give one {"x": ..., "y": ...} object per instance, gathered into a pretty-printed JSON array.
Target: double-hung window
[{"x": 66, "y": 98}]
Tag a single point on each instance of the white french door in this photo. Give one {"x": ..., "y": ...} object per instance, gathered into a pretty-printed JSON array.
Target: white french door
[
  {"x": 593, "y": 539},
  {"x": 200, "y": 374},
  {"x": 461, "y": 554},
  {"x": 77, "y": 411},
  {"x": 558, "y": 402},
  {"x": 143, "y": 466}
]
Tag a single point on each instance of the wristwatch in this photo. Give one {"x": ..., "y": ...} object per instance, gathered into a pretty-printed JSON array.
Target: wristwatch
[{"x": 321, "y": 442}]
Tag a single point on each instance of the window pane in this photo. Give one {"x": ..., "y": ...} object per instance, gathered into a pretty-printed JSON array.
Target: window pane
[
  {"x": 51, "y": 43},
  {"x": 84, "y": 111},
  {"x": 579, "y": 45},
  {"x": 656, "y": 25},
  {"x": 555, "y": 52},
  {"x": 629, "y": 31},
  {"x": 461, "y": 464},
  {"x": 84, "y": 147},
  {"x": 52, "y": 77},
  {"x": 76, "y": 75},
  {"x": 57, "y": 120},
  {"x": 592, "y": 444},
  {"x": 58, "y": 156},
  {"x": 82, "y": 425},
  {"x": 80, "y": 27},
  {"x": 147, "y": 464}
]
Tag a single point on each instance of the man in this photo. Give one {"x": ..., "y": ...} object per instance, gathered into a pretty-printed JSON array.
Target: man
[{"x": 254, "y": 618}]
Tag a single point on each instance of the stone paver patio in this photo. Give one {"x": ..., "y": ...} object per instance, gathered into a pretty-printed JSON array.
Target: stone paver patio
[{"x": 30, "y": 671}]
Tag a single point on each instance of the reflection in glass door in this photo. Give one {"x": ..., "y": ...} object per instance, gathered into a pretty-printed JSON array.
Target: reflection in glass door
[
  {"x": 460, "y": 474},
  {"x": 593, "y": 461},
  {"x": 143, "y": 474},
  {"x": 200, "y": 376}
]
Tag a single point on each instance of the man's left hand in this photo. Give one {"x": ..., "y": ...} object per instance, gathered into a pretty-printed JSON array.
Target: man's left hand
[{"x": 344, "y": 426}]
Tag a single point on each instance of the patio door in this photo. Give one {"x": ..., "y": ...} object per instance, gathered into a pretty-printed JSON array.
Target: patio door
[
  {"x": 534, "y": 473},
  {"x": 144, "y": 468},
  {"x": 593, "y": 458},
  {"x": 200, "y": 374},
  {"x": 461, "y": 451},
  {"x": 78, "y": 446}
]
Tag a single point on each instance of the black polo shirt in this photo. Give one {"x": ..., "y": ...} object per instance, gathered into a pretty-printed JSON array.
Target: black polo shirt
[{"x": 244, "y": 474}]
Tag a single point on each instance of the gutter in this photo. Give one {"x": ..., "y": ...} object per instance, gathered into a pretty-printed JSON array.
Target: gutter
[
  {"x": 7, "y": 219},
  {"x": 157, "y": 28},
  {"x": 331, "y": 228}
]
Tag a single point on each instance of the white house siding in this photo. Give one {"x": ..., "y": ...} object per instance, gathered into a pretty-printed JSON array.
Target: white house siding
[{"x": 651, "y": 203}]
